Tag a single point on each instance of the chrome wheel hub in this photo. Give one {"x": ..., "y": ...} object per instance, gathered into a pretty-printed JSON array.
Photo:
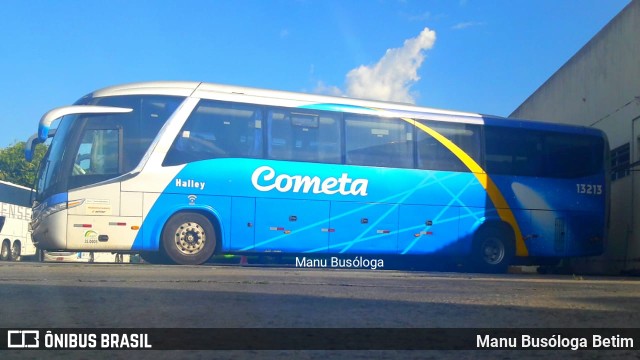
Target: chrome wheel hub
[{"x": 190, "y": 238}]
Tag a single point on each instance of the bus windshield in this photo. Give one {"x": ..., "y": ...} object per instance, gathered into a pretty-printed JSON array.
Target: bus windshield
[
  {"x": 49, "y": 166},
  {"x": 90, "y": 148}
]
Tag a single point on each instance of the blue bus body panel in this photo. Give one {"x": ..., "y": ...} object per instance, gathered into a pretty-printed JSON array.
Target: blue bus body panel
[
  {"x": 243, "y": 224},
  {"x": 428, "y": 229},
  {"x": 386, "y": 198},
  {"x": 554, "y": 217},
  {"x": 285, "y": 225},
  {"x": 363, "y": 228}
]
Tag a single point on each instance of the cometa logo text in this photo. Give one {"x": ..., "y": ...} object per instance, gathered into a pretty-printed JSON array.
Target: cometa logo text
[{"x": 265, "y": 179}]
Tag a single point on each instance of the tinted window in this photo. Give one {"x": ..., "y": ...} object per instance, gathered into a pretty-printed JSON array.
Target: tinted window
[
  {"x": 218, "y": 130},
  {"x": 514, "y": 151},
  {"x": 524, "y": 152},
  {"x": 376, "y": 141},
  {"x": 98, "y": 154},
  {"x": 571, "y": 156},
  {"x": 140, "y": 126},
  {"x": 432, "y": 154},
  {"x": 303, "y": 135}
]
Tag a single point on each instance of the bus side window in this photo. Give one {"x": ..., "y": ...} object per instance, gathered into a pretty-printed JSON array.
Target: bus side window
[
  {"x": 280, "y": 136},
  {"x": 433, "y": 155},
  {"x": 382, "y": 142},
  {"x": 500, "y": 147},
  {"x": 512, "y": 151},
  {"x": 218, "y": 130},
  {"x": 141, "y": 130},
  {"x": 571, "y": 156},
  {"x": 302, "y": 135}
]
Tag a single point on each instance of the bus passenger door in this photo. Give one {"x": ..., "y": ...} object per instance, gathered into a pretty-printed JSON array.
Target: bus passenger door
[
  {"x": 362, "y": 228},
  {"x": 293, "y": 226}
]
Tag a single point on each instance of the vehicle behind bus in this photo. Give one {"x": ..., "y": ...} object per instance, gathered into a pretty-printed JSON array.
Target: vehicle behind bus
[
  {"x": 15, "y": 215},
  {"x": 86, "y": 256}
]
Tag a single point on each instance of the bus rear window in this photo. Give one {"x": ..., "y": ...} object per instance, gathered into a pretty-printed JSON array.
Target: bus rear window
[{"x": 523, "y": 152}]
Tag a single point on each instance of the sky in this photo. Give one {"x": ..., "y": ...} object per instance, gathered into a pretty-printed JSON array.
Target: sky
[{"x": 481, "y": 56}]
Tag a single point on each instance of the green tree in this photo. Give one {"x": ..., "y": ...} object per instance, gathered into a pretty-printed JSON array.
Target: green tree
[{"x": 13, "y": 166}]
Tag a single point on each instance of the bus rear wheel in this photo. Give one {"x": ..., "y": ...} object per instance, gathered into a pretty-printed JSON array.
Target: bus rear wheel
[
  {"x": 189, "y": 238},
  {"x": 16, "y": 251},
  {"x": 5, "y": 251},
  {"x": 493, "y": 250}
]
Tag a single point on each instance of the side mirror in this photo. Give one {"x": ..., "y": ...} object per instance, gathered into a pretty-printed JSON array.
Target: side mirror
[
  {"x": 30, "y": 147},
  {"x": 34, "y": 140}
]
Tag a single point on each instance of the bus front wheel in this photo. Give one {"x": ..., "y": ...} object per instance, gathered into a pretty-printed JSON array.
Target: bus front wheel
[
  {"x": 189, "y": 238},
  {"x": 154, "y": 257},
  {"x": 493, "y": 250}
]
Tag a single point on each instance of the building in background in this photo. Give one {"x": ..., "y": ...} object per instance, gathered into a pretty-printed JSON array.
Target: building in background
[{"x": 600, "y": 87}]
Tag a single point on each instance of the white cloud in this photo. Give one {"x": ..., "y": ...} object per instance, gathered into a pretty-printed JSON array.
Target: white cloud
[
  {"x": 391, "y": 78},
  {"x": 468, "y": 24},
  {"x": 417, "y": 17},
  {"x": 322, "y": 88}
]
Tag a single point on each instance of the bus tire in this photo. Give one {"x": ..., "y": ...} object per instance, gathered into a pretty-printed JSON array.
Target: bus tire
[
  {"x": 493, "y": 250},
  {"x": 5, "y": 251},
  {"x": 16, "y": 250},
  {"x": 154, "y": 257},
  {"x": 189, "y": 238}
]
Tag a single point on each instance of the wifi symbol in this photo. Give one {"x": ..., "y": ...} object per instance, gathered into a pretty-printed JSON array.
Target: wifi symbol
[{"x": 192, "y": 199}]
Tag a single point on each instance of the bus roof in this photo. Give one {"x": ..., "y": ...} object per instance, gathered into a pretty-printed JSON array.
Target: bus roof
[
  {"x": 286, "y": 98},
  {"x": 15, "y": 185},
  {"x": 295, "y": 99}
]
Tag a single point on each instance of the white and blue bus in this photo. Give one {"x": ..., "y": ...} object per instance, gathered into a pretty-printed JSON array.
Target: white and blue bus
[
  {"x": 179, "y": 171},
  {"x": 15, "y": 215}
]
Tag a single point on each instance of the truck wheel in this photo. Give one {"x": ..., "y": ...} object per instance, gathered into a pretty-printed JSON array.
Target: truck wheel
[
  {"x": 493, "y": 250},
  {"x": 5, "y": 251},
  {"x": 189, "y": 238}
]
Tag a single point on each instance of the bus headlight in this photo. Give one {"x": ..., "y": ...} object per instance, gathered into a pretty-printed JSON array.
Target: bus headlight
[{"x": 59, "y": 207}]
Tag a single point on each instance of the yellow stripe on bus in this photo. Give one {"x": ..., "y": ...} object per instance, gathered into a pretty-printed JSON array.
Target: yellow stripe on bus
[{"x": 498, "y": 200}]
